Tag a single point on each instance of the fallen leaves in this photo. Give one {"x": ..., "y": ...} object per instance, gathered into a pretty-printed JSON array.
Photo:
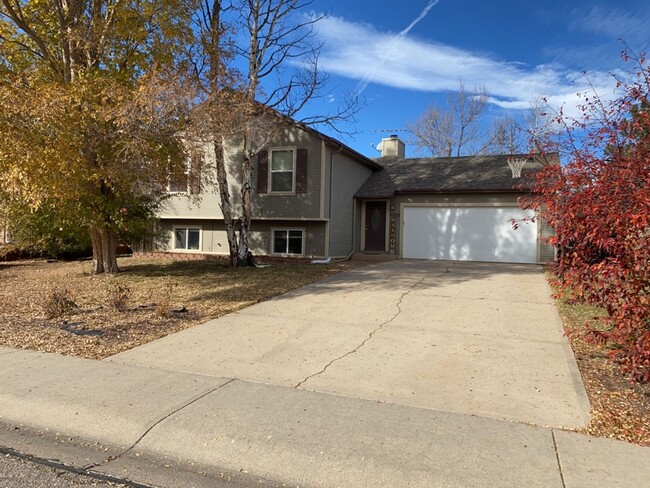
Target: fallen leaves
[{"x": 156, "y": 298}]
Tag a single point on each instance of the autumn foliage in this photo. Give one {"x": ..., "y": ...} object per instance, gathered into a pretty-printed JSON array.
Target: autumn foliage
[{"x": 599, "y": 205}]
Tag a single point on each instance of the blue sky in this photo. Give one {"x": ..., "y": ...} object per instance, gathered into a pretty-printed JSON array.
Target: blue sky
[{"x": 402, "y": 56}]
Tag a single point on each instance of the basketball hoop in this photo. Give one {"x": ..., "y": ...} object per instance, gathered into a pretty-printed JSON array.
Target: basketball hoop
[{"x": 516, "y": 164}]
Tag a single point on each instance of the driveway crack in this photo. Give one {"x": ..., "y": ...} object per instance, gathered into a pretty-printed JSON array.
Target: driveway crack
[
  {"x": 152, "y": 426},
  {"x": 557, "y": 457},
  {"x": 372, "y": 333}
]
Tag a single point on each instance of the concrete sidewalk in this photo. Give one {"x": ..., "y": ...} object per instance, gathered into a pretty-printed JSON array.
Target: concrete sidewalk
[
  {"x": 176, "y": 429},
  {"x": 473, "y": 338}
]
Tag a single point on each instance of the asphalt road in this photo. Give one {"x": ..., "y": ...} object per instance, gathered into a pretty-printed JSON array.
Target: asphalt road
[{"x": 16, "y": 472}]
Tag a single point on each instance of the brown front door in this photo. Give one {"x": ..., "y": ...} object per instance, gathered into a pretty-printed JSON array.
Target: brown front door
[{"x": 375, "y": 226}]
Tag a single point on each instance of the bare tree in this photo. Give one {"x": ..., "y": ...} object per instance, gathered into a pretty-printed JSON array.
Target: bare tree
[
  {"x": 505, "y": 136},
  {"x": 282, "y": 76},
  {"x": 453, "y": 130},
  {"x": 540, "y": 126}
]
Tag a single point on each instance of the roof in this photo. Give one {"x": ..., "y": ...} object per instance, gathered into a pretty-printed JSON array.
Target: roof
[
  {"x": 335, "y": 142},
  {"x": 470, "y": 174}
]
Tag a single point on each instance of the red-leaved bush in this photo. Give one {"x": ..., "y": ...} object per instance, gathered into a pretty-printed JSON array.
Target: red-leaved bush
[{"x": 598, "y": 202}]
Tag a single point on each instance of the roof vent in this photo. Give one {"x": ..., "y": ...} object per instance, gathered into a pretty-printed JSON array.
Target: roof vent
[{"x": 516, "y": 164}]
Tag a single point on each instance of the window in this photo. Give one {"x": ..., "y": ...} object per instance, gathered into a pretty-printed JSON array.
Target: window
[
  {"x": 189, "y": 179},
  {"x": 287, "y": 241},
  {"x": 282, "y": 169},
  {"x": 187, "y": 238},
  {"x": 178, "y": 180}
]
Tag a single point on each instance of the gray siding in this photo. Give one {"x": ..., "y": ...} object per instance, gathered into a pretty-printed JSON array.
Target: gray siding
[
  {"x": 314, "y": 235},
  {"x": 347, "y": 176},
  {"x": 206, "y": 206},
  {"x": 213, "y": 235},
  {"x": 293, "y": 206},
  {"x": 270, "y": 206},
  {"x": 214, "y": 240}
]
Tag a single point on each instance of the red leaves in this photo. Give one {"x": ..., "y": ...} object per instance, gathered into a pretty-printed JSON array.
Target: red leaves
[{"x": 599, "y": 206}]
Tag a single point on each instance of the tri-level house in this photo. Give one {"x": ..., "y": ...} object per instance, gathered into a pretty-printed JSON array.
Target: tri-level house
[{"x": 315, "y": 197}]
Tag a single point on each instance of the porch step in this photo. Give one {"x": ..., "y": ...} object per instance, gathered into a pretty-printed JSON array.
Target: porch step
[{"x": 373, "y": 256}]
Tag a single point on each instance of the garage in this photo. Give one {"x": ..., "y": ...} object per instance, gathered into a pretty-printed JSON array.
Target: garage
[{"x": 468, "y": 234}]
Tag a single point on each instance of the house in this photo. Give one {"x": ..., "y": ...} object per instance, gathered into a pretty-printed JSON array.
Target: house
[
  {"x": 303, "y": 200},
  {"x": 315, "y": 197},
  {"x": 456, "y": 208}
]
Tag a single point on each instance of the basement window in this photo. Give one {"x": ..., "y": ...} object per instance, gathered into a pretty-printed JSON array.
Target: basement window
[
  {"x": 288, "y": 241},
  {"x": 187, "y": 238}
]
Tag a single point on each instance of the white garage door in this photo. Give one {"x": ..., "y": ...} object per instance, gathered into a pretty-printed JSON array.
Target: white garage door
[{"x": 468, "y": 234}]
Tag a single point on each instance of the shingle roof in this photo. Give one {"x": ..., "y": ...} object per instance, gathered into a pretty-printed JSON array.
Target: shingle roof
[{"x": 447, "y": 175}]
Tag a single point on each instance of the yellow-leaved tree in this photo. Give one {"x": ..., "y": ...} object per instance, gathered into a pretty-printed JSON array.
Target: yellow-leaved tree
[{"x": 92, "y": 106}]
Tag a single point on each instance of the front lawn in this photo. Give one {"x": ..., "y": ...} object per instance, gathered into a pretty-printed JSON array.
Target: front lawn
[
  {"x": 619, "y": 409},
  {"x": 59, "y": 307}
]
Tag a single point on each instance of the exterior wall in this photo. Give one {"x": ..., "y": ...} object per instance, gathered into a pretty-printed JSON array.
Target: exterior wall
[
  {"x": 544, "y": 251},
  {"x": 206, "y": 206},
  {"x": 347, "y": 176},
  {"x": 291, "y": 206},
  {"x": 214, "y": 240},
  {"x": 298, "y": 205}
]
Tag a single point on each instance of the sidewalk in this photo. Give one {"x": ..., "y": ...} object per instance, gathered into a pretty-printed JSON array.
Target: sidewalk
[{"x": 181, "y": 429}]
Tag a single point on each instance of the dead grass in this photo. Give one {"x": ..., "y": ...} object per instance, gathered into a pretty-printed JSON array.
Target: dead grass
[
  {"x": 148, "y": 300},
  {"x": 619, "y": 408}
]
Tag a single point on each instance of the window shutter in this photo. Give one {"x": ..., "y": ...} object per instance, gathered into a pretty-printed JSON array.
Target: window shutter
[
  {"x": 195, "y": 170},
  {"x": 263, "y": 171},
  {"x": 301, "y": 170}
]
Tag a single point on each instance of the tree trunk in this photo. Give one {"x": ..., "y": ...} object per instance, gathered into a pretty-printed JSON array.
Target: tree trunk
[
  {"x": 226, "y": 205},
  {"x": 245, "y": 256},
  {"x": 104, "y": 250}
]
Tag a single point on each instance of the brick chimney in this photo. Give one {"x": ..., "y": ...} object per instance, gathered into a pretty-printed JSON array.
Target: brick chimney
[{"x": 392, "y": 146}]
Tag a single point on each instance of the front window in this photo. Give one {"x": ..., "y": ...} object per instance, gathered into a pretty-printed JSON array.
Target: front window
[
  {"x": 187, "y": 179},
  {"x": 187, "y": 238},
  {"x": 282, "y": 168},
  {"x": 287, "y": 241}
]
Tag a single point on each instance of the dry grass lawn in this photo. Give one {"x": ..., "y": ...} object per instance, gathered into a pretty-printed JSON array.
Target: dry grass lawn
[
  {"x": 59, "y": 307},
  {"x": 619, "y": 408}
]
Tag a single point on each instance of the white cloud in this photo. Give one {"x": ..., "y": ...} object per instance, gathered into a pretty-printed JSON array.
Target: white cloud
[
  {"x": 613, "y": 23},
  {"x": 360, "y": 52}
]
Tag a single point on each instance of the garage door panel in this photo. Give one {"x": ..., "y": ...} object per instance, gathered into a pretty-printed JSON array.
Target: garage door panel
[{"x": 468, "y": 234}]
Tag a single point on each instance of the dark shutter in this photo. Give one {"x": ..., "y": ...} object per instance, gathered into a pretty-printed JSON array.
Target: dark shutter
[
  {"x": 263, "y": 171},
  {"x": 301, "y": 170},
  {"x": 195, "y": 173}
]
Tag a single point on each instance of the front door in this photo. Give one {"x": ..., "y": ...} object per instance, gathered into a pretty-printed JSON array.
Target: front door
[{"x": 375, "y": 226}]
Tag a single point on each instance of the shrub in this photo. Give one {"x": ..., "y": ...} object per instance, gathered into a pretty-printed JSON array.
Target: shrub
[
  {"x": 165, "y": 300},
  {"x": 118, "y": 295},
  {"x": 58, "y": 302},
  {"x": 599, "y": 205}
]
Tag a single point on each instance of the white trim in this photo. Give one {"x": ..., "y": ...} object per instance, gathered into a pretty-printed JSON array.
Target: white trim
[
  {"x": 294, "y": 151},
  {"x": 181, "y": 226},
  {"x": 262, "y": 219},
  {"x": 459, "y": 204},
  {"x": 323, "y": 162},
  {"x": 271, "y": 240}
]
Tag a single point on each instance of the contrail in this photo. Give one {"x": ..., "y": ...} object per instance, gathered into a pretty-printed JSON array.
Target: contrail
[{"x": 363, "y": 84}]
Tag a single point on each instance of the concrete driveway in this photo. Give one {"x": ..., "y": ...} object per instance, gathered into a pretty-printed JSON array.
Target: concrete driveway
[{"x": 472, "y": 338}]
